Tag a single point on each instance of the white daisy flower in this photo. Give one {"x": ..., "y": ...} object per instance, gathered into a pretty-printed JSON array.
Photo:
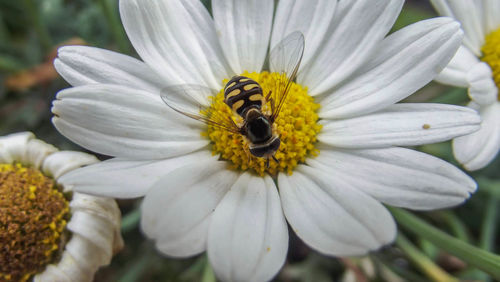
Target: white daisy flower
[
  {"x": 340, "y": 128},
  {"x": 48, "y": 232},
  {"x": 476, "y": 65}
]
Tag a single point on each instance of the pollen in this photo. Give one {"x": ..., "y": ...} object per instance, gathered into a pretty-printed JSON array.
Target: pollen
[
  {"x": 296, "y": 126},
  {"x": 33, "y": 216},
  {"x": 491, "y": 55}
]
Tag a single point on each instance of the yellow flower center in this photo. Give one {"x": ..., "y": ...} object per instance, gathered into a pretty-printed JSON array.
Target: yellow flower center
[
  {"x": 296, "y": 126},
  {"x": 491, "y": 55},
  {"x": 33, "y": 214}
]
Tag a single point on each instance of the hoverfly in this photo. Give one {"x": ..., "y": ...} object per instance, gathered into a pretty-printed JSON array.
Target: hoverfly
[{"x": 245, "y": 97}]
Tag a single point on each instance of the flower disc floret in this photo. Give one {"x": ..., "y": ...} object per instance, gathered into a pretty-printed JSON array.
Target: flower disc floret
[
  {"x": 491, "y": 55},
  {"x": 33, "y": 216},
  {"x": 297, "y": 127}
]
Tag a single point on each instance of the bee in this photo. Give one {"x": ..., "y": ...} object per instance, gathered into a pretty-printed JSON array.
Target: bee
[{"x": 245, "y": 97}]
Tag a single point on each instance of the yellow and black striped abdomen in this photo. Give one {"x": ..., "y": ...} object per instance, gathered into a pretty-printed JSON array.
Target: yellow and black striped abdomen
[{"x": 242, "y": 93}]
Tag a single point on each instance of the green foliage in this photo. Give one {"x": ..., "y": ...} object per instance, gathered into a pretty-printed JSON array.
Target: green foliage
[{"x": 30, "y": 30}]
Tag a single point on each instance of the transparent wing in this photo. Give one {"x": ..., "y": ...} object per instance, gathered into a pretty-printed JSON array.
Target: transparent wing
[
  {"x": 285, "y": 59},
  {"x": 193, "y": 101}
]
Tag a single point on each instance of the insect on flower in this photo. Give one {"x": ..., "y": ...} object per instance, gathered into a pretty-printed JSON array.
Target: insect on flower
[{"x": 244, "y": 96}]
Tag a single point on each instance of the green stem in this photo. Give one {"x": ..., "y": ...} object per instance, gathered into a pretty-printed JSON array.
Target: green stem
[
  {"x": 490, "y": 186},
  {"x": 398, "y": 270},
  {"x": 115, "y": 26},
  {"x": 423, "y": 262},
  {"x": 39, "y": 24},
  {"x": 456, "y": 225},
  {"x": 208, "y": 273},
  {"x": 441, "y": 150},
  {"x": 488, "y": 230},
  {"x": 193, "y": 272},
  {"x": 453, "y": 96},
  {"x": 130, "y": 220},
  {"x": 138, "y": 267},
  {"x": 486, "y": 261}
]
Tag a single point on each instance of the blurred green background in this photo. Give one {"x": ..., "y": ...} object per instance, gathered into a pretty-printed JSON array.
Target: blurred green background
[{"x": 31, "y": 31}]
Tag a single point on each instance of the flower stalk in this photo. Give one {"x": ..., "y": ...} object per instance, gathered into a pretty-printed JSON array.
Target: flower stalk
[
  {"x": 130, "y": 220},
  {"x": 484, "y": 260},
  {"x": 488, "y": 230},
  {"x": 208, "y": 273},
  {"x": 457, "y": 227},
  {"x": 433, "y": 271},
  {"x": 489, "y": 227}
]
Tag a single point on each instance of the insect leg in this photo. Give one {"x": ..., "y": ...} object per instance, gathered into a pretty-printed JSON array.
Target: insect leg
[
  {"x": 247, "y": 151},
  {"x": 270, "y": 100},
  {"x": 276, "y": 160},
  {"x": 268, "y": 95}
]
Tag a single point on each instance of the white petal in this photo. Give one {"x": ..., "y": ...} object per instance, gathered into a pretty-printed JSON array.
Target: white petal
[
  {"x": 356, "y": 29},
  {"x": 331, "y": 216},
  {"x": 106, "y": 210},
  {"x": 50, "y": 274},
  {"x": 469, "y": 14},
  {"x": 491, "y": 10},
  {"x": 478, "y": 149},
  {"x": 177, "y": 39},
  {"x": 72, "y": 264},
  {"x": 399, "y": 177},
  {"x": 13, "y": 146},
  {"x": 406, "y": 61},
  {"x": 95, "y": 223},
  {"x": 95, "y": 229},
  {"x": 243, "y": 28},
  {"x": 401, "y": 125},
  {"x": 120, "y": 121},
  {"x": 312, "y": 18},
  {"x": 123, "y": 178},
  {"x": 35, "y": 153},
  {"x": 80, "y": 247},
  {"x": 24, "y": 148},
  {"x": 177, "y": 211},
  {"x": 455, "y": 73},
  {"x": 248, "y": 237},
  {"x": 482, "y": 89},
  {"x": 62, "y": 162},
  {"x": 81, "y": 65},
  {"x": 101, "y": 207}
]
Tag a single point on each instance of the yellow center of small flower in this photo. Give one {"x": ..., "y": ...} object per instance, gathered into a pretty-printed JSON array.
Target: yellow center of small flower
[
  {"x": 33, "y": 214},
  {"x": 491, "y": 55},
  {"x": 296, "y": 126}
]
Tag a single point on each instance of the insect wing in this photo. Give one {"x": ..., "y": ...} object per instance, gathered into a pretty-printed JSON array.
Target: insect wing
[
  {"x": 285, "y": 59},
  {"x": 193, "y": 101}
]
